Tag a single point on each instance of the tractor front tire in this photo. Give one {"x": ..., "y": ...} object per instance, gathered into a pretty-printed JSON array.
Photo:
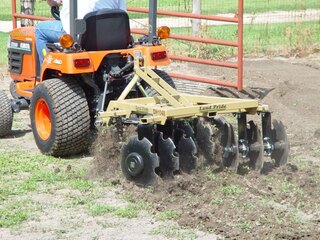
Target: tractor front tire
[
  {"x": 151, "y": 92},
  {"x": 60, "y": 117},
  {"x": 13, "y": 92},
  {"x": 6, "y": 115}
]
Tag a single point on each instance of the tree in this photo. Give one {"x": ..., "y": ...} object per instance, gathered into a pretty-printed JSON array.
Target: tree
[
  {"x": 196, "y": 23},
  {"x": 27, "y": 7}
]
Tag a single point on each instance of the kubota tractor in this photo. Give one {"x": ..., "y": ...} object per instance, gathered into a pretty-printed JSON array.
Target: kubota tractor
[{"x": 98, "y": 76}]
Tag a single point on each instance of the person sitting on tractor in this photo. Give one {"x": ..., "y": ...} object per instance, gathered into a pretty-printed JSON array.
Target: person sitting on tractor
[{"x": 50, "y": 31}]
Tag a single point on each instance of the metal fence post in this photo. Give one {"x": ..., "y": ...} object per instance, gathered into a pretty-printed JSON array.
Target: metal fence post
[
  {"x": 152, "y": 20},
  {"x": 73, "y": 17},
  {"x": 240, "y": 45}
]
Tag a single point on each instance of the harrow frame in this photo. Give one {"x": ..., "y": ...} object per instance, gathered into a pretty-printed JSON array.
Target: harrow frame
[
  {"x": 169, "y": 129},
  {"x": 171, "y": 104}
]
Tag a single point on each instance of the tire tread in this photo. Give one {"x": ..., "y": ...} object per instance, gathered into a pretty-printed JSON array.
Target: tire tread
[
  {"x": 72, "y": 116},
  {"x": 6, "y": 115}
]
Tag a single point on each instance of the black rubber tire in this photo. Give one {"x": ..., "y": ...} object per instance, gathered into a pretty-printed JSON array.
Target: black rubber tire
[
  {"x": 69, "y": 114},
  {"x": 13, "y": 92},
  {"x": 6, "y": 115},
  {"x": 151, "y": 92}
]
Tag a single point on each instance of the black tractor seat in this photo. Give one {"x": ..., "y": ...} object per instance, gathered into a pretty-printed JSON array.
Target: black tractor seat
[{"x": 106, "y": 29}]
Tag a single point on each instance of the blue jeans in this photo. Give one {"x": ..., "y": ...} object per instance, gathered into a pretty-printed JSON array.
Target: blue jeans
[{"x": 47, "y": 32}]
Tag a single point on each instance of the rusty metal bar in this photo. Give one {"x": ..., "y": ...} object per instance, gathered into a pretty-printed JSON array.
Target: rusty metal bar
[
  {"x": 204, "y": 40},
  {"x": 203, "y": 80},
  {"x": 14, "y": 10},
  {"x": 32, "y": 17},
  {"x": 240, "y": 45},
  {"x": 193, "y": 39},
  {"x": 186, "y": 15},
  {"x": 204, "y": 61}
]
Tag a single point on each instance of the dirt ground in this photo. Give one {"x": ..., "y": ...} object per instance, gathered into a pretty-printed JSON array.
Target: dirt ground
[{"x": 280, "y": 203}]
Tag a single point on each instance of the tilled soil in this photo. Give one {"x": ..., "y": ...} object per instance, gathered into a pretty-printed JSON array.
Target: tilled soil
[{"x": 280, "y": 203}]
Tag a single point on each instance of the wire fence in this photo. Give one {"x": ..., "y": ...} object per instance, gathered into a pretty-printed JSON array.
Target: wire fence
[{"x": 271, "y": 27}]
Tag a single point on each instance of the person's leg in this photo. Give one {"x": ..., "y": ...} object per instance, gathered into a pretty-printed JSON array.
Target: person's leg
[{"x": 47, "y": 32}]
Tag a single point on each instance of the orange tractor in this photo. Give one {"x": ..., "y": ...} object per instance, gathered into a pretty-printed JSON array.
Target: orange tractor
[{"x": 104, "y": 78}]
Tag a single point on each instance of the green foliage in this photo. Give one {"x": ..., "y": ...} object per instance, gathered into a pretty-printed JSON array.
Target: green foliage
[
  {"x": 246, "y": 226},
  {"x": 22, "y": 173},
  {"x": 216, "y": 201},
  {"x": 130, "y": 211},
  {"x": 284, "y": 38},
  {"x": 14, "y": 212},
  {"x": 212, "y": 176},
  {"x": 166, "y": 215},
  {"x": 99, "y": 209},
  {"x": 81, "y": 184},
  {"x": 287, "y": 186},
  {"x": 173, "y": 230},
  {"x": 41, "y": 9},
  {"x": 3, "y": 48},
  {"x": 230, "y": 190}
]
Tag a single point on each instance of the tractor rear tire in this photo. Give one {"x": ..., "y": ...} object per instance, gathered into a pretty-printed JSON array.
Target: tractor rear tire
[
  {"x": 151, "y": 92},
  {"x": 6, "y": 115},
  {"x": 60, "y": 117}
]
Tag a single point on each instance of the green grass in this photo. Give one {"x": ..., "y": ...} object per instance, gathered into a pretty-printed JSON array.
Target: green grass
[
  {"x": 99, "y": 209},
  {"x": 174, "y": 231},
  {"x": 167, "y": 215},
  {"x": 216, "y": 201},
  {"x": 24, "y": 173},
  {"x": 211, "y": 176},
  {"x": 230, "y": 190},
  {"x": 6, "y": 10},
  {"x": 246, "y": 226},
  {"x": 41, "y": 9},
  {"x": 289, "y": 187},
  {"x": 3, "y": 48},
  {"x": 14, "y": 212}
]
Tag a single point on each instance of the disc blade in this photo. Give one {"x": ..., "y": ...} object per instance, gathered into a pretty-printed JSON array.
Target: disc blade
[
  {"x": 138, "y": 163},
  {"x": 204, "y": 135},
  {"x": 229, "y": 145},
  {"x": 256, "y": 148},
  {"x": 187, "y": 150},
  {"x": 169, "y": 160},
  {"x": 281, "y": 145}
]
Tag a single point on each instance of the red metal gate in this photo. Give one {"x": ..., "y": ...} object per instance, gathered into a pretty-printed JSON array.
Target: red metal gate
[{"x": 237, "y": 19}]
